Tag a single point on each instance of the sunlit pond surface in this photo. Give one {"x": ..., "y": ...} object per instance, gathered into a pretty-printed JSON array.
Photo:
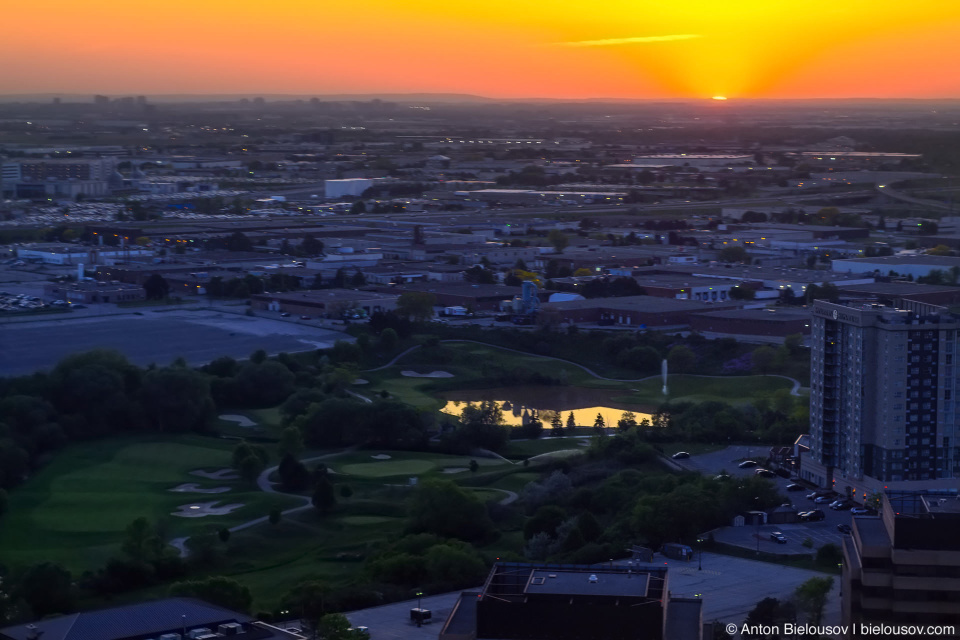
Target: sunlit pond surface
[{"x": 522, "y": 403}]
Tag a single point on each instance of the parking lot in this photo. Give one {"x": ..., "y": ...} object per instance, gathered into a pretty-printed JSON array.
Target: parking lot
[
  {"x": 820, "y": 533},
  {"x": 154, "y": 336},
  {"x": 730, "y": 588}
]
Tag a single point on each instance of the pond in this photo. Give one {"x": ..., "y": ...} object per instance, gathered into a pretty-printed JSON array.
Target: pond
[{"x": 520, "y": 403}]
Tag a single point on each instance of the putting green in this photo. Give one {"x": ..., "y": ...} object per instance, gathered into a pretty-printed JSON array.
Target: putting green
[
  {"x": 386, "y": 468},
  {"x": 364, "y": 520}
]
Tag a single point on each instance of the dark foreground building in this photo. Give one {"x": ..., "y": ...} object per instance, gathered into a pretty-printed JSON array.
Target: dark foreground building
[
  {"x": 558, "y": 602},
  {"x": 170, "y": 619},
  {"x": 903, "y": 567}
]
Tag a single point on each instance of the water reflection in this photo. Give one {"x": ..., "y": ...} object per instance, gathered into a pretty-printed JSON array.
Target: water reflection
[{"x": 521, "y": 404}]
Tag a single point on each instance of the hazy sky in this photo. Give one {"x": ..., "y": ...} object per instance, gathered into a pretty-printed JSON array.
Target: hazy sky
[{"x": 498, "y": 48}]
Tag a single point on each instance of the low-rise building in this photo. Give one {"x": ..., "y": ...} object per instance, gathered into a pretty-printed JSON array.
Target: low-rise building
[
  {"x": 634, "y": 311},
  {"x": 86, "y": 292},
  {"x": 778, "y": 322},
  {"x": 560, "y": 602},
  {"x": 326, "y": 303}
]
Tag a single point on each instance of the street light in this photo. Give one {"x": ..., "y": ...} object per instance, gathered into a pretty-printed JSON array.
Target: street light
[
  {"x": 419, "y": 609},
  {"x": 700, "y": 558}
]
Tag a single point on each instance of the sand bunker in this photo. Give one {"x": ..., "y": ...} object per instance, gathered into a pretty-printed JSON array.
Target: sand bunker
[
  {"x": 202, "y": 509},
  {"x": 455, "y": 470},
  {"x": 220, "y": 474},
  {"x": 193, "y": 487},
  {"x": 432, "y": 374},
  {"x": 381, "y": 456},
  {"x": 243, "y": 421}
]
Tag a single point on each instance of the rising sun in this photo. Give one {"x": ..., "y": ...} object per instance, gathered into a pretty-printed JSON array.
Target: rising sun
[{"x": 719, "y": 98}]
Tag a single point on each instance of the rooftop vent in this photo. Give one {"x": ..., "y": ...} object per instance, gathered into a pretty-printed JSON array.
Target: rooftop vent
[{"x": 593, "y": 578}]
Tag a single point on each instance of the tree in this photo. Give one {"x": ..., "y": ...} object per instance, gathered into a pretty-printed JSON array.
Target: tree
[
  {"x": 335, "y": 626},
  {"x": 627, "y": 421},
  {"x": 442, "y": 508},
  {"x": 238, "y": 241},
  {"x": 156, "y": 287},
  {"x": 417, "y": 305},
  {"x": 389, "y": 339},
  {"x": 358, "y": 207},
  {"x": 681, "y": 359},
  {"x": 224, "y": 535},
  {"x": 732, "y": 253},
  {"x": 939, "y": 250},
  {"x": 346, "y": 491},
  {"x": 558, "y": 240},
  {"x": 275, "y": 515},
  {"x": 571, "y": 421},
  {"x": 599, "y": 424},
  {"x": 250, "y": 469},
  {"x": 291, "y": 442},
  {"x": 770, "y": 612},
  {"x": 556, "y": 424},
  {"x": 811, "y": 597},
  {"x": 474, "y": 466},
  {"x": 4, "y": 502},
  {"x": 763, "y": 358},
  {"x": 294, "y": 475},
  {"x": 307, "y": 600},
  {"x": 47, "y": 588},
  {"x": 177, "y": 399},
  {"x": 324, "y": 499},
  {"x": 218, "y": 590},
  {"x": 141, "y": 542}
]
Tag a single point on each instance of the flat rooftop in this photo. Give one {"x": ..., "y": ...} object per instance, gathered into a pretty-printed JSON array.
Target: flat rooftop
[
  {"x": 557, "y": 582},
  {"x": 936, "y": 261},
  {"x": 647, "y": 304},
  {"x": 767, "y": 315},
  {"x": 872, "y": 531}
]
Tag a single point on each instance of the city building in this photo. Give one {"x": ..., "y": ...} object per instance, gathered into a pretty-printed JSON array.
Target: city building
[
  {"x": 326, "y": 303},
  {"x": 559, "y": 602},
  {"x": 916, "y": 266},
  {"x": 179, "y": 618},
  {"x": 88, "y": 292},
  {"x": 348, "y": 187},
  {"x": 883, "y": 398},
  {"x": 903, "y": 567}
]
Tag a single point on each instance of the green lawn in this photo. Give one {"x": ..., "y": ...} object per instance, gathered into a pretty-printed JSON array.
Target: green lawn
[
  {"x": 362, "y": 465},
  {"x": 688, "y": 388},
  {"x": 528, "y": 448},
  {"x": 75, "y": 510}
]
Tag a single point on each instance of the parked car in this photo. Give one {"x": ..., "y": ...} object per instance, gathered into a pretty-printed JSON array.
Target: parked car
[
  {"x": 304, "y": 317},
  {"x": 722, "y": 476},
  {"x": 812, "y": 496},
  {"x": 843, "y": 528},
  {"x": 822, "y": 500},
  {"x": 793, "y": 486},
  {"x": 285, "y": 315},
  {"x": 841, "y": 506},
  {"x": 812, "y": 516},
  {"x": 863, "y": 511},
  {"x": 746, "y": 464},
  {"x": 765, "y": 473},
  {"x": 680, "y": 455},
  {"x": 778, "y": 537}
]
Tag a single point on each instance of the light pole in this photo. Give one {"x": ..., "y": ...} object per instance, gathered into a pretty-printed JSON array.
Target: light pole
[
  {"x": 700, "y": 554},
  {"x": 419, "y": 609},
  {"x": 756, "y": 517}
]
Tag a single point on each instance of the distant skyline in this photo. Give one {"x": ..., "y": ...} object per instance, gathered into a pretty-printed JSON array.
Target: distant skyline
[{"x": 632, "y": 49}]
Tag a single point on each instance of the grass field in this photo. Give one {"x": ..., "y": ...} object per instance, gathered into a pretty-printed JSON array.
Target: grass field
[
  {"x": 75, "y": 510},
  {"x": 686, "y": 388}
]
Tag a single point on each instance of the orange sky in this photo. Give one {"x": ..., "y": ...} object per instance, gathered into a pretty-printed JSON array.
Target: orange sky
[{"x": 497, "y": 48}]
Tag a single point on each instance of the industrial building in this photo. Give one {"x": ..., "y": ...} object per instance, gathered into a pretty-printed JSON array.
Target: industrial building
[
  {"x": 560, "y": 602},
  {"x": 903, "y": 567},
  {"x": 326, "y": 303},
  {"x": 883, "y": 398}
]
